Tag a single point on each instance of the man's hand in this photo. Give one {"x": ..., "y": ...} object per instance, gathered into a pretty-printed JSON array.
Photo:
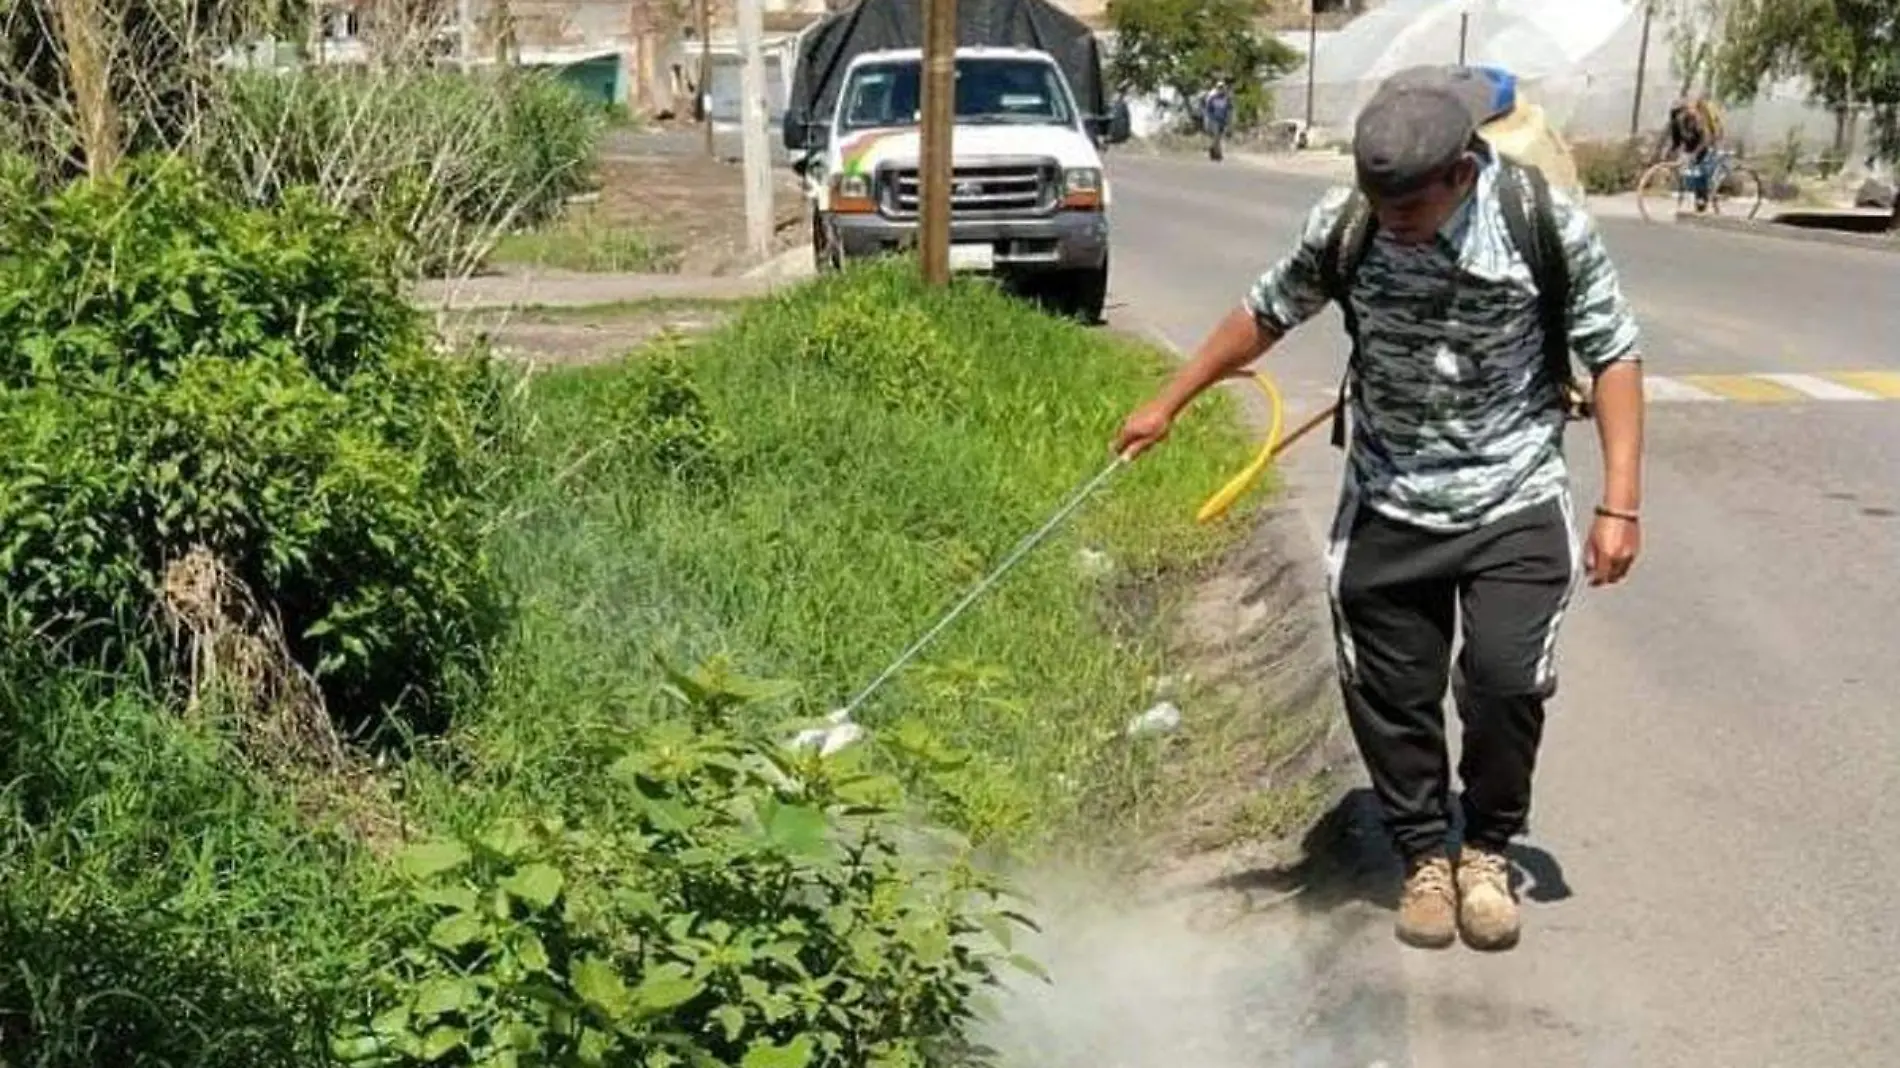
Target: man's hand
[
  {"x": 1235, "y": 341},
  {"x": 1612, "y": 550},
  {"x": 1148, "y": 426}
]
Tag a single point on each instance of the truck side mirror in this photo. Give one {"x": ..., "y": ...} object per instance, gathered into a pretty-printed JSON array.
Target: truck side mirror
[
  {"x": 802, "y": 136},
  {"x": 1113, "y": 128}
]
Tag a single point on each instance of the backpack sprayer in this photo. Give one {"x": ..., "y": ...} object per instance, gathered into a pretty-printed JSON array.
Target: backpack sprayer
[{"x": 841, "y": 731}]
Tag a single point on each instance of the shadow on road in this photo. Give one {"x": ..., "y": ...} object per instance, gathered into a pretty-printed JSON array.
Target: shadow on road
[{"x": 1346, "y": 858}]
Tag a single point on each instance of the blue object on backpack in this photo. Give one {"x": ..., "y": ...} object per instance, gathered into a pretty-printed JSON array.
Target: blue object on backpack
[{"x": 1503, "y": 90}]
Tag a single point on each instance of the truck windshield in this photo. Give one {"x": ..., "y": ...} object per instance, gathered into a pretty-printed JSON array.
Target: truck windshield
[{"x": 988, "y": 91}]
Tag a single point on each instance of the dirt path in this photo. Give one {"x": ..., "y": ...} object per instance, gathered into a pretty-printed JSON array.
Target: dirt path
[{"x": 661, "y": 180}]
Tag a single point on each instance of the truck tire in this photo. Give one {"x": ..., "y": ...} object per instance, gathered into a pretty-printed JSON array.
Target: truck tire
[
  {"x": 1084, "y": 294},
  {"x": 824, "y": 251}
]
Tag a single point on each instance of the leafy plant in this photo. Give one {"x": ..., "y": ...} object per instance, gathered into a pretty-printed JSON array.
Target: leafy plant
[
  {"x": 664, "y": 418},
  {"x": 184, "y": 373},
  {"x": 894, "y": 353},
  {"x": 1607, "y": 168},
  {"x": 749, "y": 906}
]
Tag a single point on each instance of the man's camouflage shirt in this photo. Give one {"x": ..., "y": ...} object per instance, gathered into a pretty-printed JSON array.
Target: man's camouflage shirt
[{"x": 1454, "y": 414}]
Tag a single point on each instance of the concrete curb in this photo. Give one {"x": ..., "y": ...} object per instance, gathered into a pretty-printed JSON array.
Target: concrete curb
[
  {"x": 565, "y": 290},
  {"x": 792, "y": 264},
  {"x": 1756, "y": 228}
]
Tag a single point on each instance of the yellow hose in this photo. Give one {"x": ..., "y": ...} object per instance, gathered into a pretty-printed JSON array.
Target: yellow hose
[{"x": 1219, "y": 503}]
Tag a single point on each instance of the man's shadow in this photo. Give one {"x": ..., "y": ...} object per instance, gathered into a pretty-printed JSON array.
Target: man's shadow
[{"x": 1346, "y": 858}]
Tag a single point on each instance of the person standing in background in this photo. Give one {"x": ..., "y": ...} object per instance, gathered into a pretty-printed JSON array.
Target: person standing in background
[{"x": 1217, "y": 111}]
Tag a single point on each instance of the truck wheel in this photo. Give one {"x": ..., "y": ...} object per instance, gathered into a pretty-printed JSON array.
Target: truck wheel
[
  {"x": 824, "y": 251},
  {"x": 1085, "y": 294}
]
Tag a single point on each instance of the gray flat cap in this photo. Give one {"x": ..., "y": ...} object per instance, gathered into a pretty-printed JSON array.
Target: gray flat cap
[
  {"x": 1417, "y": 124},
  {"x": 1473, "y": 87}
]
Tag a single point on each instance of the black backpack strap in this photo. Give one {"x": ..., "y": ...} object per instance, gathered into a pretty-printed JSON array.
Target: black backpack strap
[
  {"x": 1346, "y": 248},
  {"x": 1534, "y": 231}
]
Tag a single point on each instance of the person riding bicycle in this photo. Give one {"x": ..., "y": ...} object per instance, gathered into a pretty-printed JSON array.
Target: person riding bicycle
[{"x": 1694, "y": 130}]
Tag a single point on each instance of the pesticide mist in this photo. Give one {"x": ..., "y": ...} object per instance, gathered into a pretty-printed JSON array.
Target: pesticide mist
[{"x": 1207, "y": 981}]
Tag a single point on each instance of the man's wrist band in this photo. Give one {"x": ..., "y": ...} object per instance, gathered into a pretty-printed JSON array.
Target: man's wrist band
[{"x": 1612, "y": 513}]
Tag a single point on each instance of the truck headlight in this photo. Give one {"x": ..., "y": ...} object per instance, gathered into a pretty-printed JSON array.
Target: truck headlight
[
  {"x": 851, "y": 193},
  {"x": 1082, "y": 187}
]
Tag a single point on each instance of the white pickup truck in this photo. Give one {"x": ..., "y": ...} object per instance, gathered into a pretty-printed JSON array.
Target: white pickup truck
[{"x": 1028, "y": 194}]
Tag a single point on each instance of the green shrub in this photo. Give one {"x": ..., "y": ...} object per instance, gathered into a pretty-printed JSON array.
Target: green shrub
[
  {"x": 893, "y": 353},
  {"x": 1607, "y": 168},
  {"x": 667, "y": 428},
  {"x": 182, "y": 373},
  {"x": 443, "y": 160},
  {"x": 745, "y": 905}
]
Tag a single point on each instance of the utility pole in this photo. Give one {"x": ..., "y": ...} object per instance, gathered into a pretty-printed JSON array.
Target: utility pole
[
  {"x": 1312, "y": 57},
  {"x": 703, "y": 83},
  {"x": 752, "y": 110},
  {"x": 1464, "y": 33},
  {"x": 1642, "y": 72},
  {"x": 464, "y": 34},
  {"x": 940, "y": 55}
]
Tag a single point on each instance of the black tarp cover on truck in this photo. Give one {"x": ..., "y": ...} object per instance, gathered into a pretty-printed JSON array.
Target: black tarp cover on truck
[{"x": 875, "y": 25}]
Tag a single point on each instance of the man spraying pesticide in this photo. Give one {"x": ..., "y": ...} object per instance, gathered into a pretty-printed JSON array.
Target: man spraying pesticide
[{"x": 1467, "y": 284}]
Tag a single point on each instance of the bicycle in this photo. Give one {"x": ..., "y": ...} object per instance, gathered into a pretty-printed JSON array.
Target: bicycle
[{"x": 1729, "y": 180}]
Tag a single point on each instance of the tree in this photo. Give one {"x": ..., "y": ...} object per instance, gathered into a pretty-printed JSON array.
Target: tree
[
  {"x": 1184, "y": 45},
  {"x": 85, "y": 82},
  {"x": 1695, "y": 29},
  {"x": 1848, "y": 50}
]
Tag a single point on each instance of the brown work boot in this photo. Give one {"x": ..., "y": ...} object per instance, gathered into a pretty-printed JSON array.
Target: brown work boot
[
  {"x": 1428, "y": 910},
  {"x": 1487, "y": 909}
]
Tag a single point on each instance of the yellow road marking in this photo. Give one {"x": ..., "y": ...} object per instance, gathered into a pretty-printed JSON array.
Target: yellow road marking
[
  {"x": 1879, "y": 383},
  {"x": 1743, "y": 388}
]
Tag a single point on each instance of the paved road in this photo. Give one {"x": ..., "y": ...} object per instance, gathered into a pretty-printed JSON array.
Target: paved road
[{"x": 1717, "y": 819}]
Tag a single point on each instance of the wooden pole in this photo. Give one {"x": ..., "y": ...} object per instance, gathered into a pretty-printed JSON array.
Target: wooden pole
[
  {"x": 1642, "y": 72},
  {"x": 940, "y": 53},
  {"x": 752, "y": 110},
  {"x": 1312, "y": 56},
  {"x": 464, "y": 34}
]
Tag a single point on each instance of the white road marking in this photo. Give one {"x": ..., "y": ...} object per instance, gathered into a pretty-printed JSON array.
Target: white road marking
[
  {"x": 1656, "y": 388},
  {"x": 1819, "y": 388}
]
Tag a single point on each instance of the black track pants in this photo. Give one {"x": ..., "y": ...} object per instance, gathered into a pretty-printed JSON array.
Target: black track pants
[{"x": 1396, "y": 591}]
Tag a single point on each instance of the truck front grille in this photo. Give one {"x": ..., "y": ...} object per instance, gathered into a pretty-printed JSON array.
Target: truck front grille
[{"x": 1015, "y": 187}]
